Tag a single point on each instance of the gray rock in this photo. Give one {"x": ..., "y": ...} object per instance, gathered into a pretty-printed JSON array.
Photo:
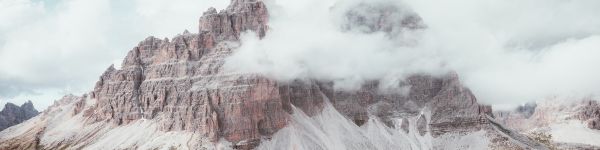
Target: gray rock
[{"x": 13, "y": 114}]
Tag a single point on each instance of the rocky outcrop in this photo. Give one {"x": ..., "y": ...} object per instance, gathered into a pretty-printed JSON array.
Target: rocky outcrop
[
  {"x": 13, "y": 114},
  {"x": 563, "y": 119},
  {"x": 536, "y": 115},
  {"x": 589, "y": 111},
  {"x": 240, "y": 16},
  {"x": 181, "y": 82}
]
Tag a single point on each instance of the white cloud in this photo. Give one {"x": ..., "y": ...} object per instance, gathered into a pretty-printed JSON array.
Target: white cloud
[
  {"x": 165, "y": 18},
  {"x": 507, "y": 51},
  {"x": 564, "y": 69},
  {"x": 311, "y": 44},
  {"x": 511, "y": 51}
]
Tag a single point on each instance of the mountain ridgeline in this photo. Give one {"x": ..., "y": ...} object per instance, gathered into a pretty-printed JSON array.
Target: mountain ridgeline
[
  {"x": 176, "y": 94},
  {"x": 13, "y": 114}
]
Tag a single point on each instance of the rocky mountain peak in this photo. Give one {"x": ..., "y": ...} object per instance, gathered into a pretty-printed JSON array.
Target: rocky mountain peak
[
  {"x": 13, "y": 114},
  {"x": 10, "y": 107},
  {"x": 28, "y": 106},
  {"x": 239, "y": 16},
  {"x": 180, "y": 86}
]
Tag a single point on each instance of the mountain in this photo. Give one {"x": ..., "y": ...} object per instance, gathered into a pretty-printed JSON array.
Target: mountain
[
  {"x": 176, "y": 94},
  {"x": 572, "y": 124},
  {"x": 13, "y": 114}
]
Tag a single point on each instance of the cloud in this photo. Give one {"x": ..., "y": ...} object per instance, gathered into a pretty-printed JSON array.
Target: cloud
[
  {"x": 62, "y": 46},
  {"x": 507, "y": 51},
  {"x": 563, "y": 69},
  {"x": 313, "y": 44},
  {"x": 511, "y": 52}
]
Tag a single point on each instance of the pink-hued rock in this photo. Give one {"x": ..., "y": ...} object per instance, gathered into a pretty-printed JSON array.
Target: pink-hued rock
[
  {"x": 590, "y": 112},
  {"x": 180, "y": 82},
  {"x": 550, "y": 112},
  {"x": 240, "y": 16}
]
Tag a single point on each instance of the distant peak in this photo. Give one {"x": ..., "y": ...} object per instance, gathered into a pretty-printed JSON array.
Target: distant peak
[
  {"x": 10, "y": 105},
  {"x": 28, "y": 105},
  {"x": 13, "y": 114},
  {"x": 210, "y": 10},
  {"x": 111, "y": 67}
]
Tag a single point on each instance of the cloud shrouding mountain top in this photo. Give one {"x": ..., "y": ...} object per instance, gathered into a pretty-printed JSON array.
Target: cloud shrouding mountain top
[
  {"x": 507, "y": 51},
  {"x": 49, "y": 48}
]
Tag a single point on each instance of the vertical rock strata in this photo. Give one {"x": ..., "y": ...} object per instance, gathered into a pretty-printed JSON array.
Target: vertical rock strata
[{"x": 181, "y": 82}]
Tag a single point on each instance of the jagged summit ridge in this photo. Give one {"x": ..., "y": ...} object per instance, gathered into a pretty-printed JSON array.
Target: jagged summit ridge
[
  {"x": 241, "y": 15},
  {"x": 12, "y": 114},
  {"x": 181, "y": 84}
]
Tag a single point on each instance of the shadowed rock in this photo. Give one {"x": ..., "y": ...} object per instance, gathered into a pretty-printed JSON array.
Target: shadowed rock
[{"x": 13, "y": 114}]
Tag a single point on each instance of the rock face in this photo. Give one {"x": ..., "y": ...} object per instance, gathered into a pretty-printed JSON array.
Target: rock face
[
  {"x": 13, "y": 114},
  {"x": 181, "y": 82},
  {"x": 564, "y": 119},
  {"x": 532, "y": 115},
  {"x": 181, "y": 85},
  {"x": 590, "y": 113},
  {"x": 379, "y": 16}
]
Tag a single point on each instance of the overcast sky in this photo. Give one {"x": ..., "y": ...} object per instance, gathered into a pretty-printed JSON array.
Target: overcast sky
[
  {"x": 507, "y": 51},
  {"x": 49, "y": 48}
]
